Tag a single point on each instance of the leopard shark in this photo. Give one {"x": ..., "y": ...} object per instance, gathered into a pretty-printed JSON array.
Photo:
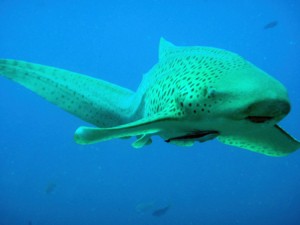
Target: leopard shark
[{"x": 193, "y": 94}]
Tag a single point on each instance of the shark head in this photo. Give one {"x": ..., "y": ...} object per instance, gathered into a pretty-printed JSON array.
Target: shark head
[
  {"x": 243, "y": 93},
  {"x": 213, "y": 87}
]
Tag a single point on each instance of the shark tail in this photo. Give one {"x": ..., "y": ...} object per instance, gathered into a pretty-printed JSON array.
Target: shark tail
[{"x": 98, "y": 102}]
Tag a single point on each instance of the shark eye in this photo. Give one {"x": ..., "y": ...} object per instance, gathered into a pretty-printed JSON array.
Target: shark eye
[{"x": 259, "y": 119}]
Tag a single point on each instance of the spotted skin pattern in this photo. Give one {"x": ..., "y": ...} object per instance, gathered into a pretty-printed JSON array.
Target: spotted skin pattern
[
  {"x": 192, "y": 94},
  {"x": 190, "y": 78}
]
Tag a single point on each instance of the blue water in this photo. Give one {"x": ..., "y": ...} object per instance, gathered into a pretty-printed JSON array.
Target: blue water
[{"x": 46, "y": 179}]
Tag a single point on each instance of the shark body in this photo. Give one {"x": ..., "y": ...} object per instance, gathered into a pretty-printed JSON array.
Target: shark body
[{"x": 192, "y": 94}]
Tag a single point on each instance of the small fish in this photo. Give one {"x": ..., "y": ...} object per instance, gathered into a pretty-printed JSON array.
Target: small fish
[
  {"x": 144, "y": 207},
  {"x": 50, "y": 187},
  {"x": 161, "y": 211},
  {"x": 271, "y": 25}
]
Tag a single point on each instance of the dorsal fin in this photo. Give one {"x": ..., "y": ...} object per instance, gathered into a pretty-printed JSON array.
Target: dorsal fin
[{"x": 165, "y": 48}]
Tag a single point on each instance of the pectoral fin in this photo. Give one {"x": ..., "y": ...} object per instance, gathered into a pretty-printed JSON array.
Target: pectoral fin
[
  {"x": 143, "y": 129},
  {"x": 271, "y": 141}
]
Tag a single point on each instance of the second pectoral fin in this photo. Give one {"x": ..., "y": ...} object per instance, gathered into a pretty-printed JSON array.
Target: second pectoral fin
[{"x": 272, "y": 141}]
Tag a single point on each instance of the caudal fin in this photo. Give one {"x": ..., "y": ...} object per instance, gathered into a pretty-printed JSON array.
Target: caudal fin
[{"x": 93, "y": 100}]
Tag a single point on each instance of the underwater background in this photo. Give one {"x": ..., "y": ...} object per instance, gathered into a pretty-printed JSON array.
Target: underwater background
[{"x": 47, "y": 179}]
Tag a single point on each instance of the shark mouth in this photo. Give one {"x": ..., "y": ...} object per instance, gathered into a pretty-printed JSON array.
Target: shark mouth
[
  {"x": 259, "y": 119},
  {"x": 267, "y": 110}
]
